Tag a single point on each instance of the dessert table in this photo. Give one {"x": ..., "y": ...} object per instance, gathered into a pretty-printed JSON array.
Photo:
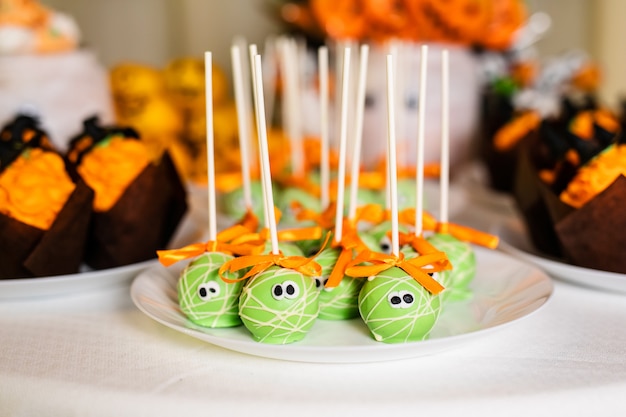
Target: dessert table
[{"x": 96, "y": 354}]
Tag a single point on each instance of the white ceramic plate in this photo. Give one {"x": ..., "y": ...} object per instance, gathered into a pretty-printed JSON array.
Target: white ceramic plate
[
  {"x": 72, "y": 283},
  {"x": 515, "y": 241},
  {"x": 89, "y": 280},
  {"x": 505, "y": 290}
]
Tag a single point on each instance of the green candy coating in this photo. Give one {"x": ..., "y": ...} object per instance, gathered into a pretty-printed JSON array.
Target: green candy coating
[
  {"x": 396, "y": 308},
  {"x": 364, "y": 197},
  {"x": 341, "y": 302},
  {"x": 291, "y": 194},
  {"x": 234, "y": 206},
  {"x": 463, "y": 260},
  {"x": 204, "y": 297},
  {"x": 376, "y": 238},
  {"x": 287, "y": 248},
  {"x": 279, "y": 305},
  {"x": 406, "y": 194}
]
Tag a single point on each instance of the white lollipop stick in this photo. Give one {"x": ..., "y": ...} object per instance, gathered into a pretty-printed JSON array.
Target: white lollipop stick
[
  {"x": 343, "y": 138},
  {"x": 324, "y": 139},
  {"x": 419, "y": 157},
  {"x": 242, "y": 123},
  {"x": 291, "y": 104},
  {"x": 358, "y": 138},
  {"x": 269, "y": 75},
  {"x": 252, "y": 50},
  {"x": 444, "y": 176},
  {"x": 265, "y": 158},
  {"x": 392, "y": 171},
  {"x": 246, "y": 72},
  {"x": 212, "y": 212}
]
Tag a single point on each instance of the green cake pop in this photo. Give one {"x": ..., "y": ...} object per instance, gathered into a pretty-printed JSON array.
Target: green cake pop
[
  {"x": 463, "y": 260},
  {"x": 202, "y": 295},
  {"x": 376, "y": 239},
  {"x": 233, "y": 203},
  {"x": 279, "y": 305},
  {"x": 287, "y": 248},
  {"x": 396, "y": 308},
  {"x": 294, "y": 194},
  {"x": 341, "y": 302},
  {"x": 406, "y": 193}
]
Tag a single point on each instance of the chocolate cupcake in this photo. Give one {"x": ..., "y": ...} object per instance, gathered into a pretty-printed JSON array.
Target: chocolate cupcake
[
  {"x": 44, "y": 211},
  {"x": 138, "y": 202}
]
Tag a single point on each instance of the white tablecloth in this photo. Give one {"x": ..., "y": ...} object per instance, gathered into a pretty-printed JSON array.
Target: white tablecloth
[{"x": 95, "y": 354}]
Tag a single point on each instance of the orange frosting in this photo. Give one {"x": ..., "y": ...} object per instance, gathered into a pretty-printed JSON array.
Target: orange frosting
[
  {"x": 511, "y": 133},
  {"x": 110, "y": 167},
  {"x": 34, "y": 188},
  {"x": 596, "y": 176}
]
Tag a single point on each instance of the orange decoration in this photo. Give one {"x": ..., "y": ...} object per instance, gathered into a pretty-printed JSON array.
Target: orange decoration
[
  {"x": 34, "y": 188},
  {"x": 507, "y": 17},
  {"x": 524, "y": 73},
  {"x": 511, "y": 133},
  {"x": 587, "y": 78},
  {"x": 460, "y": 21},
  {"x": 368, "y": 264},
  {"x": 110, "y": 167},
  {"x": 583, "y": 124},
  {"x": 341, "y": 19},
  {"x": 596, "y": 176}
]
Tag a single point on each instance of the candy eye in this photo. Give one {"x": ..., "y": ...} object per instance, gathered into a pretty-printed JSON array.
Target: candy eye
[
  {"x": 401, "y": 299},
  {"x": 318, "y": 283},
  {"x": 292, "y": 290},
  {"x": 278, "y": 292},
  {"x": 208, "y": 290},
  {"x": 394, "y": 299},
  {"x": 385, "y": 245},
  {"x": 407, "y": 299},
  {"x": 287, "y": 289}
]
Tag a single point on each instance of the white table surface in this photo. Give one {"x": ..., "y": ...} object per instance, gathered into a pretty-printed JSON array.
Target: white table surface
[{"x": 95, "y": 354}]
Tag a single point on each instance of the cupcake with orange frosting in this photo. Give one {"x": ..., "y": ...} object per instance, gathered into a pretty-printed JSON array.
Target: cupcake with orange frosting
[
  {"x": 44, "y": 212},
  {"x": 138, "y": 202},
  {"x": 579, "y": 167}
]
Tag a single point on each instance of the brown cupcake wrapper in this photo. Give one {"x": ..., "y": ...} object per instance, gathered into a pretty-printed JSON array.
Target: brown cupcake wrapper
[
  {"x": 593, "y": 236},
  {"x": 529, "y": 196},
  {"x": 27, "y": 251},
  {"x": 141, "y": 222}
]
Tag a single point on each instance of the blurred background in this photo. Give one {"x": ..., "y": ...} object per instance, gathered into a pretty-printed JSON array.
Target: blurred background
[{"x": 155, "y": 31}]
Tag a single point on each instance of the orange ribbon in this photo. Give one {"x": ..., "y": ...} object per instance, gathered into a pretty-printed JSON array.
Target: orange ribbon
[
  {"x": 349, "y": 243},
  {"x": 464, "y": 233},
  {"x": 467, "y": 234},
  {"x": 287, "y": 235},
  {"x": 325, "y": 219},
  {"x": 260, "y": 263},
  {"x": 423, "y": 247},
  {"x": 171, "y": 256},
  {"x": 415, "y": 267}
]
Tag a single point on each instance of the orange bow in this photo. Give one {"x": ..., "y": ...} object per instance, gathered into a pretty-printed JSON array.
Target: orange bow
[
  {"x": 423, "y": 247},
  {"x": 260, "y": 263},
  {"x": 415, "y": 267}
]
